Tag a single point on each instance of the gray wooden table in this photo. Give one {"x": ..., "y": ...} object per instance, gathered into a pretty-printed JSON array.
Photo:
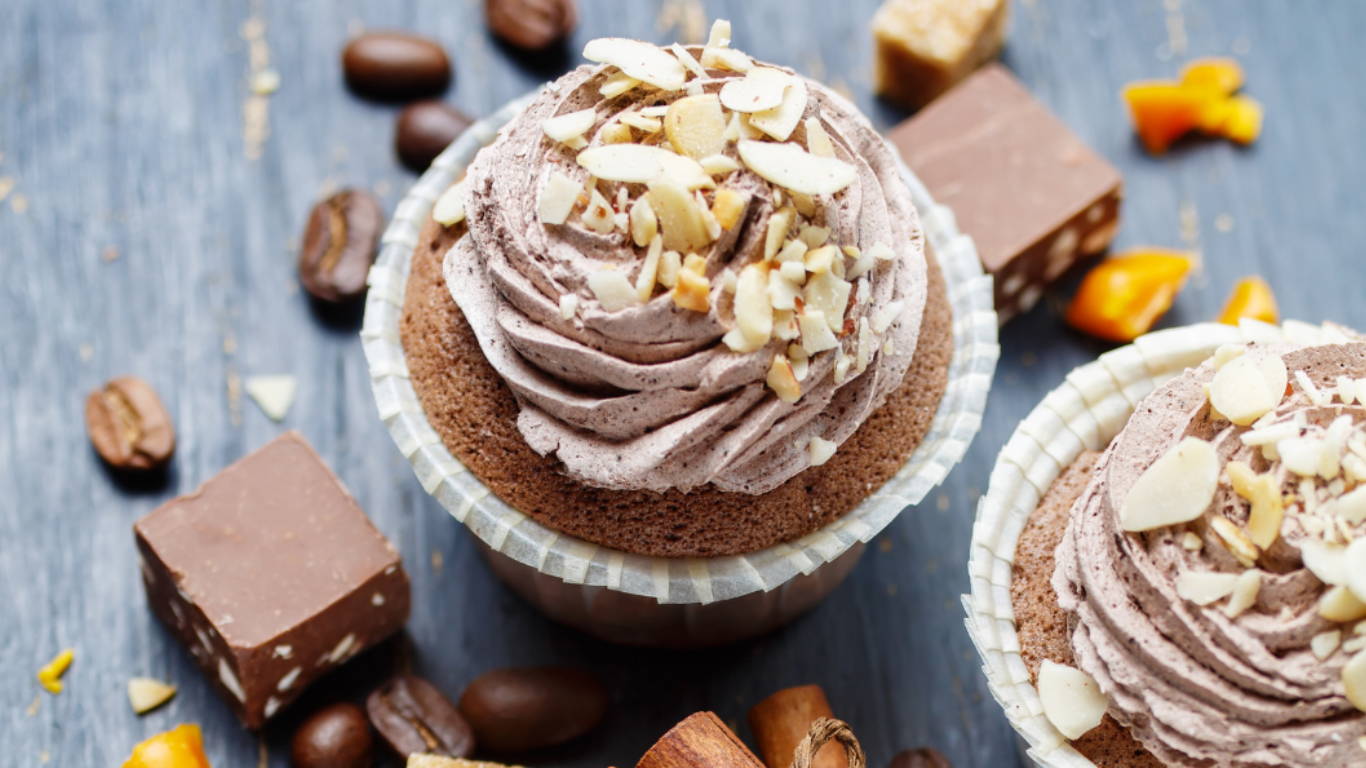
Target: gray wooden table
[{"x": 138, "y": 237}]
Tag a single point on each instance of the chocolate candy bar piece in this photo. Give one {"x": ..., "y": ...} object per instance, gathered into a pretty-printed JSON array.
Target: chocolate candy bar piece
[
  {"x": 1032, "y": 196},
  {"x": 271, "y": 575},
  {"x": 924, "y": 47}
]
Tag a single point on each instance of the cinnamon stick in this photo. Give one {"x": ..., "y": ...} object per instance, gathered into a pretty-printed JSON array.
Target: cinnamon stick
[
  {"x": 700, "y": 741},
  {"x": 782, "y": 720}
]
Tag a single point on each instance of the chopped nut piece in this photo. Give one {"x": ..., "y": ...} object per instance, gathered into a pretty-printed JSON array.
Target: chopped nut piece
[
  {"x": 753, "y": 312},
  {"x": 841, "y": 371},
  {"x": 617, "y": 84},
  {"x": 778, "y": 224},
  {"x": 782, "y": 292},
  {"x": 644, "y": 225},
  {"x": 887, "y": 314},
  {"x": 1355, "y": 561},
  {"x": 708, "y": 220},
  {"x": 866, "y": 346},
  {"x": 782, "y": 380},
  {"x": 718, "y": 165},
  {"x": 1328, "y": 562},
  {"x": 693, "y": 291},
  {"x": 680, "y": 220},
  {"x": 1248, "y": 387},
  {"x": 146, "y": 694},
  {"x": 818, "y": 141},
  {"x": 924, "y": 48},
  {"x": 613, "y": 291},
  {"x": 793, "y": 168},
  {"x": 569, "y": 304},
  {"x": 816, "y": 333},
  {"x": 782, "y": 120},
  {"x": 649, "y": 269},
  {"x": 717, "y": 54},
  {"x": 616, "y": 133},
  {"x": 557, "y": 198},
  {"x": 1239, "y": 545},
  {"x": 814, "y": 236},
  {"x": 695, "y": 126},
  {"x": 687, "y": 60},
  {"x": 1244, "y": 595},
  {"x": 640, "y": 60},
  {"x": 862, "y": 264},
  {"x": 669, "y": 265},
  {"x": 830, "y": 295},
  {"x": 760, "y": 89},
  {"x": 449, "y": 209},
  {"x": 1071, "y": 700},
  {"x": 1177, "y": 488},
  {"x": 793, "y": 253},
  {"x": 598, "y": 216},
  {"x": 1264, "y": 522},
  {"x": 801, "y": 362},
  {"x": 570, "y": 125},
  {"x": 1339, "y": 604},
  {"x": 727, "y": 207},
  {"x": 820, "y": 450},
  {"x": 1192, "y": 542},
  {"x": 1324, "y": 643},
  {"x": 1205, "y": 587},
  {"x": 785, "y": 329},
  {"x": 792, "y": 270},
  {"x": 1354, "y": 681},
  {"x": 820, "y": 260},
  {"x": 272, "y": 393}
]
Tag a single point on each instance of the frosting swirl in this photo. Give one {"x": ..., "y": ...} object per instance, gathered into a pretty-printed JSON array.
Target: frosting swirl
[
  {"x": 1210, "y": 684},
  {"x": 649, "y": 396}
]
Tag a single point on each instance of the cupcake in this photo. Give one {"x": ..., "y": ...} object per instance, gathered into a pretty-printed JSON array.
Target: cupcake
[
  {"x": 680, "y": 307},
  {"x": 1187, "y": 590}
]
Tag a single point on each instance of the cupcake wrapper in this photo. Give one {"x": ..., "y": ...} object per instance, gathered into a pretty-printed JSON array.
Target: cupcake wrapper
[
  {"x": 1084, "y": 413},
  {"x": 668, "y": 580}
]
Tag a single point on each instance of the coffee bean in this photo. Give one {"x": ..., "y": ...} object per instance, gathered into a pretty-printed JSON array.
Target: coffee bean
[
  {"x": 333, "y": 737},
  {"x": 339, "y": 245},
  {"x": 424, "y": 129},
  {"x": 414, "y": 717},
  {"x": 395, "y": 66},
  {"x": 128, "y": 425},
  {"x": 925, "y": 757},
  {"x": 531, "y": 25},
  {"x": 516, "y": 710}
]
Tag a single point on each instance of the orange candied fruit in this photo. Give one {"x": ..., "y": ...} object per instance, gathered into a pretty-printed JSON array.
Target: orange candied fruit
[
  {"x": 1164, "y": 112},
  {"x": 1206, "y": 98},
  {"x": 1122, "y": 297},
  {"x": 1251, "y": 298},
  {"x": 1222, "y": 76},
  {"x": 180, "y": 747}
]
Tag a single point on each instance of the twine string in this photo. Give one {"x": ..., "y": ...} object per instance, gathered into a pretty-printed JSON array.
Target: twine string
[{"x": 822, "y": 731}]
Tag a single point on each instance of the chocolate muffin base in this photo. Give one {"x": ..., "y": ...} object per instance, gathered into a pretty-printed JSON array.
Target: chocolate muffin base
[
  {"x": 475, "y": 414},
  {"x": 1042, "y": 625}
]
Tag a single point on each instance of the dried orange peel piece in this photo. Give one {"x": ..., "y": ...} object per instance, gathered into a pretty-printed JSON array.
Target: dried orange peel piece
[
  {"x": 50, "y": 674},
  {"x": 180, "y": 747},
  {"x": 1205, "y": 99},
  {"x": 1121, "y": 298},
  {"x": 1251, "y": 298}
]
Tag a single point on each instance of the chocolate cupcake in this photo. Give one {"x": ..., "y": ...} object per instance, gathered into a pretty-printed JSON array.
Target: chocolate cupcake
[
  {"x": 1181, "y": 591},
  {"x": 677, "y": 317}
]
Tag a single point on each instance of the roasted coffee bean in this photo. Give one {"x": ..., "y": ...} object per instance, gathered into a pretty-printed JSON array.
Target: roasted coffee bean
[
  {"x": 333, "y": 737},
  {"x": 531, "y": 25},
  {"x": 925, "y": 757},
  {"x": 424, "y": 129},
  {"x": 339, "y": 245},
  {"x": 394, "y": 65},
  {"x": 414, "y": 717},
  {"x": 128, "y": 425},
  {"x": 516, "y": 710}
]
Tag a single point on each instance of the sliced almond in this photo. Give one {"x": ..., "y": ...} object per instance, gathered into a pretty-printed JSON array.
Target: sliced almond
[
  {"x": 1324, "y": 643},
  {"x": 649, "y": 269},
  {"x": 841, "y": 371},
  {"x": 708, "y": 220},
  {"x": 785, "y": 329},
  {"x": 557, "y": 199},
  {"x": 727, "y": 206},
  {"x": 640, "y": 164},
  {"x": 695, "y": 126},
  {"x": 1177, "y": 488},
  {"x": 793, "y": 270},
  {"x": 1354, "y": 681},
  {"x": 887, "y": 314},
  {"x": 821, "y": 260},
  {"x": 146, "y": 694},
  {"x": 794, "y": 253},
  {"x": 695, "y": 263},
  {"x": 816, "y": 333},
  {"x": 617, "y": 84},
  {"x": 760, "y": 89},
  {"x": 791, "y": 167},
  {"x": 753, "y": 312},
  {"x": 719, "y": 35},
  {"x": 640, "y": 122},
  {"x": 814, "y": 236},
  {"x": 726, "y": 58},
  {"x": 688, "y": 61},
  {"x": 1205, "y": 587},
  {"x": 820, "y": 450},
  {"x": 1328, "y": 562},
  {"x": 818, "y": 141},
  {"x": 1301, "y": 455},
  {"x": 1339, "y": 604},
  {"x": 644, "y": 225},
  {"x": 569, "y": 304},
  {"x": 640, "y": 60},
  {"x": 782, "y": 120},
  {"x": 1191, "y": 542},
  {"x": 1350, "y": 506},
  {"x": 1264, "y": 492},
  {"x": 1248, "y": 387},
  {"x": 830, "y": 295},
  {"x": 1237, "y": 542},
  {"x": 804, "y": 203},
  {"x": 1226, "y": 353},
  {"x": 669, "y": 266},
  {"x": 778, "y": 224},
  {"x": 616, "y": 133},
  {"x": 613, "y": 291},
  {"x": 598, "y": 216},
  {"x": 718, "y": 165},
  {"x": 1071, "y": 700},
  {"x": 782, "y": 292},
  {"x": 679, "y": 219},
  {"x": 570, "y": 125},
  {"x": 1244, "y": 596},
  {"x": 782, "y": 380},
  {"x": 449, "y": 208},
  {"x": 693, "y": 291},
  {"x": 1355, "y": 560},
  {"x": 801, "y": 362}
]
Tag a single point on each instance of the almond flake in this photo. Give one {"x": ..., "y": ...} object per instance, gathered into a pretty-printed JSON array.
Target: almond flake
[
  {"x": 816, "y": 333},
  {"x": 649, "y": 269},
  {"x": 598, "y": 215},
  {"x": 693, "y": 291},
  {"x": 612, "y": 289},
  {"x": 794, "y": 253},
  {"x": 830, "y": 295},
  {"x": 1328, "y": 562},
  {"x": 1354, "y": 681},
  {"x": 570, "y": 125},
  {"x": 841, "y": 371},
  {"x": 640, "y": 122},
  {"x": 569, "y": 304},
  {"x": 782, "y": 293},
  {"x": 863, "y": 262},
  {"x": 1226, "y": 352},
  {"x": 866, "y": 345},
  {"x": 1324, "y": 643},
  {"x": 641, "y": 164},
  {"x": 1301, "y": 455},
  {"x": 688, "y": 61},
  {"x": 782, "y": 120},
  {"x": 820, "y": 450},
  {"x": 1355, "y": 560},
  {"x": 727, "y": 206},
  {"x": 1071, "y": 700},
  {"x": 801, "y": 362},
  {"x": 1339, "y": 604},
  {"x": 719, "y": 35},
  {"x": 1248, "y": 387},
  {"x": 640, "y": 60},
  {"x": 1237, "y": 542},
  {"x": 1177, "y": 488},
  {"x": 669, "y": 266},
  {"x": 616, "y": 133},
  {"x": 778, "y": 224},
  {"x": 782, "y": 380},
  {"x": 793, "y": 168},
  {"x": 753, "y": 312},
  {"x": 760, "y": 89},
  {"x": 146, "y": 694},
  {"x": 726, "y": 58},
  {"x": 718, "y": 165},
  {"x": 1244, "y": 595},
  {"x": 1205, "y": 587},
  {"x": 695, "y": 126},
  {"x": 557, "y": 198},
  {"x": 818, "y": 141},
  {"x": 644, "y": 225},
  {"x": 1311, "y": 390},
  {"x": 813, "y": 235},
  {"x": 1264, "y": 492},
  {"x": 449, "y": 208},
  {"x": 616, "y": 84},
  {"x": 804, "y": 203},
  {"x": 680, "y": 220},
  {"x": 792, "y": 270},
  {"x": 820, "y": 260},
  {"x": 887, "y": 314},
  {"x": 708, "y": 220},
  {"x": 1350, "y": 506},
  {"x": 1270, "y": 434},
  {"x": 785, "y": 329}
]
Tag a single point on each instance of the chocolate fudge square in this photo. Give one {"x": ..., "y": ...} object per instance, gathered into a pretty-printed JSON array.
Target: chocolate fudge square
[{"x": 271, "y": 575}]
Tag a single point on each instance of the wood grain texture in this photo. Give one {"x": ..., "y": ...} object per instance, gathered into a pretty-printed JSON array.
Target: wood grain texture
[{"x": 123, "y": 129}]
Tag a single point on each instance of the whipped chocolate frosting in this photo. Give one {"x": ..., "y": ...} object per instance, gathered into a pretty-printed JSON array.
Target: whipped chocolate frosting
[
  {"x": 648, "y": 397},
  {"x": 1194, "y": 686}
]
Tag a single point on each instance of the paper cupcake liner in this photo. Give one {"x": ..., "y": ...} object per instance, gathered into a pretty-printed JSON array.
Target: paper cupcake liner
[
  {"x": 1084, "y": 413},
  {"x": 668, "y": 580}
]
